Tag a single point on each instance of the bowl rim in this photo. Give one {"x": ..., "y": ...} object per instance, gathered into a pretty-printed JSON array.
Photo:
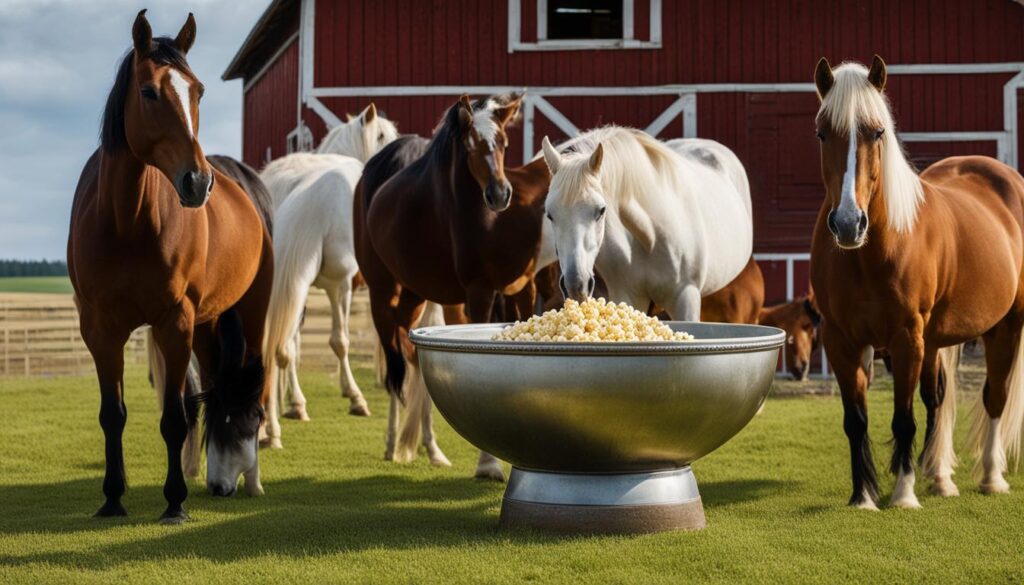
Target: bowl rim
[{"x": 431, "y": 338}]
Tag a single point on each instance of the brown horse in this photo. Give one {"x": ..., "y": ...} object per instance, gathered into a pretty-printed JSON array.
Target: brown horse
[
  {"x": 800, "y": 320},
  {"x": 452, "y": 227},
  {"x": 915, "y": 264},
  {"x": 157, "y": 236}
]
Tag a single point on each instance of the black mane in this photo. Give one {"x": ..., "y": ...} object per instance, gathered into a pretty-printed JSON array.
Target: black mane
[{"x": 164, "y": 52}]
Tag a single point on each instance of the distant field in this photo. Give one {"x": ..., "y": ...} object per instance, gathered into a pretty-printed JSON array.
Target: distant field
[{"x": 35, "y": 284}]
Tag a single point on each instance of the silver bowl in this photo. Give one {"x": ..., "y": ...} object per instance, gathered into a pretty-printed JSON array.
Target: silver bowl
[{"x": 599, "y": 424}]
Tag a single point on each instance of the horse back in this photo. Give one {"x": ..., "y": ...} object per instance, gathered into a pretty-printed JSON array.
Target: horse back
[{"x": 984, "y": 179}]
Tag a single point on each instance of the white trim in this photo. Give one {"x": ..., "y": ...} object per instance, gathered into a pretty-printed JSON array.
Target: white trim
[
  {"x": 561, "y": 91},
  {"x": 1010, "y": 121},
  {"x": 308, "y": 37},
  {"x": 329, "y": 117},
  {"x": 273, "y": 59},
  {"x": 670, "y": 113},
  {"x": 954, "y": 68},
  {"x": 528, "y": 116},
  {"x": 552, "y": 113},
  {"x": 950, "y": 136},
  {"x": 690, "y": 115},
  {"x": 543, "y": 43}
]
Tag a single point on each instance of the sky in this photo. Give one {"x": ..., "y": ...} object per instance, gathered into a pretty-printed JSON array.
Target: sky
[{"x": 57, "y": 63}]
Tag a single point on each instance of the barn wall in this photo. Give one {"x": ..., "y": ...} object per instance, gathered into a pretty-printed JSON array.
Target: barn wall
[{"x": 270, "y": 109}]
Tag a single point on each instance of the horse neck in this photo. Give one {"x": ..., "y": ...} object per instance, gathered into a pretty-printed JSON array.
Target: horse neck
[
  {"x": 777, "y": 315},
  {"x": 125, "y": 192}
]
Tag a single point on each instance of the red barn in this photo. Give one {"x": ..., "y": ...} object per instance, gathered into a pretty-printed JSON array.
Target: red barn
[{"x": 737, "y": 71}]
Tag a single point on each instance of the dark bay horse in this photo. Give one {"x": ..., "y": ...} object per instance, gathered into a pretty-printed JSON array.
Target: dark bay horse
[
  {"x": 915, "y": 265},
  {"x": 159, "y": 237},
  {"x": 452, "y": 227}
]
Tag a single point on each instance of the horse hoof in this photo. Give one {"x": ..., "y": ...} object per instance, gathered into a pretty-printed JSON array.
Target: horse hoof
[
  {"x": 865, "y": 504},
  {"x": 907, "y": 502},
  {"x": 490, "y": 473},
  {"x": 255, "y": 490},
  {"x": 359, "y": 409},
  {"x": 297, "y": 413},
  {"x": 994, "y": 485},
  {"x": 110, "y": 509},
  {"x": 174, "y": 517},
  {"x": 271, "y": 443},
  {"x": 944, "y": 487},
  {"x": 439, "y": 460}
]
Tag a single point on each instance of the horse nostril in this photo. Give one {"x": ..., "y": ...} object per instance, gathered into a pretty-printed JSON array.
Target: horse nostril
[
  {"x": 832, "y": 227},
  {"x": 862, "y": 223}
]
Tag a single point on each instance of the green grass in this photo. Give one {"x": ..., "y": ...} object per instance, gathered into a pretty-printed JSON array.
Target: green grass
[
  {"x": 35, "y": 284},
  {"x": 334, "y": 512}
]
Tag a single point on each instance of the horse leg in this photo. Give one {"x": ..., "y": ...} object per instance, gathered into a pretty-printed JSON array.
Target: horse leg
[
  {"x": 938, "y": 392},
  {"x": 434, "y": 452},
  {"x": 108, "y": 354},
  {"x": 686, "y": 305},
  {"x": 394, "y": 414},
  {"x": 847, "y": 365},
  {"x": 1003, "y": 351},
  {"x": 175, "y": 341},
  {"x": 526, "y": 300},
  {"x": 908, "y": 355},
  {"x": 341, "y": 307},
  {"x": 489, "y": 467},
  {"x": 289, "y": 379}
]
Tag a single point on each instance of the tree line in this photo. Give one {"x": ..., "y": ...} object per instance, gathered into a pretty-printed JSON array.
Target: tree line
[{"x": 33, "y": 268}]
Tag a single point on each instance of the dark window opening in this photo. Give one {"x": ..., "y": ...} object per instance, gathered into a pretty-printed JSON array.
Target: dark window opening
[{"x": 584, "y": 19}]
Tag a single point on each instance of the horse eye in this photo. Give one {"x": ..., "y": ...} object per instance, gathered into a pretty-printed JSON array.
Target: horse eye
[
  {"x": 148, "y": 92},
  {"x": 201, "y": 92},
  {"x": 551, "y": 219},
  {"x": 878, "y": 133},
  {"x": 381, "y": 137},
  {"x": 600, "y": 212},
  {"x": 821, "y": 136}
]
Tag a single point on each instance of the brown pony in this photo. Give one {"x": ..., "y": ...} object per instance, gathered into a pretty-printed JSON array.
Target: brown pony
[
  {"x": 915, "y": 265},
  {"x": 800, "y": 320},
  {"x": 452, "y": 227},
  {"x": 157, "y": 236}
]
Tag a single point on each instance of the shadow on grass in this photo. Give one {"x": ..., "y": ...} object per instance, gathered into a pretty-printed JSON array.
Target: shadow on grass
[
  {"x": 298, "y": 517},
  {"x": 720, "y": 494}
]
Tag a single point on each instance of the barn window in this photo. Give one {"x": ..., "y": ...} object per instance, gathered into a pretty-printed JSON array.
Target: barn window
[{"x": 566, "y": 25}]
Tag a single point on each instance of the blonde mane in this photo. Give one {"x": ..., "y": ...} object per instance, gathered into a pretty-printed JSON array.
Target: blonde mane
[
  {"x": 634, "y": 164},
  {"x": 358, "y": 140},
  {"x": 853, "y": 102}
]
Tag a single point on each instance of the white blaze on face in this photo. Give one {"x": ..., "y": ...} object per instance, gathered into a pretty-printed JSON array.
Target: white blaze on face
[
  {"x": 849, "y": 195},
  {"x": 484, "y": 124},
  {"x": 181, "y": 88}
]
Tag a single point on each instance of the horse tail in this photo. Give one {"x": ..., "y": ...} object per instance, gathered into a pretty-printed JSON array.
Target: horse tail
[
  {"x": 1010, "y": 423},
  {"x": 939, "y": 458},
  {"x": 414, "y": 389}
]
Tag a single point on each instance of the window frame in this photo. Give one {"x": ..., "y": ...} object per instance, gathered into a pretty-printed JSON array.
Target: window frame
[{"x": 515, "y": 43}]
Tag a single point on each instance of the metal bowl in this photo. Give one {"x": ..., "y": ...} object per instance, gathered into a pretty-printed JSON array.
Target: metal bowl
[{"x": 599, "y": 407}]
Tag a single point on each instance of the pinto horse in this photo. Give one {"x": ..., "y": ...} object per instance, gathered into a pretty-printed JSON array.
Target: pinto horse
[
  {"x": 452, "y": 227},
  {"x": 158, "y": 236},
  {"x": 916, "y": 265}
]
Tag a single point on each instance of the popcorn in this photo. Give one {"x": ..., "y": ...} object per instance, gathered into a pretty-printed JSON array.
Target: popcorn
[{"x": 591, "y": 321}]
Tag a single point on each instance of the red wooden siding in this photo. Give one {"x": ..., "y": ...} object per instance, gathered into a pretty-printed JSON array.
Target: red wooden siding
[{"x": 270, "y": 111}]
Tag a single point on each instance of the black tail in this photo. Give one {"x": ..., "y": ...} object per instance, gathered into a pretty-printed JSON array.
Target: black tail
[{"x": 394, "y": 362}]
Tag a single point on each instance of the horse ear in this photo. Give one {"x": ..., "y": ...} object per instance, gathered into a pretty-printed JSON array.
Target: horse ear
[
  {"x": 509, "y": 111},
  {"x": 349, "y": 117},
  {"x": 187, "y": 35},
  {"x": 142, "y": 34},
  {"x": 877, "y": 75},
  {"x": 370, "y": 113},
  {"x": 551, "y": 156},
  {"x": 823, "y": 79},
  {"x": 596, "y": 158},
  {"x": 635, "y": 219},
  {"x": 465, "y": 112}
]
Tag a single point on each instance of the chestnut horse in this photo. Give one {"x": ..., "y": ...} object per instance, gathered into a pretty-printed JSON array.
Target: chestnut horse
[
  {"x": 800, "y": 320},
  {"x": 159, "y": 237},
  {"x": 915, "y": 265},
  {"x": 453, "y": 227}
]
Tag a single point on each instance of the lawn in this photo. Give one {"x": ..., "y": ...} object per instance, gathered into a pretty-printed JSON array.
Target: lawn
[
  {"x": 335, "y": 512},
  {"x": 35, "y": 284}
]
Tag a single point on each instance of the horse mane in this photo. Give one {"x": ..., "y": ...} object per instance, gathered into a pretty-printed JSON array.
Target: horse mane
[
  {"x": 164, "y": 52},
  {"x": 634, "y": 165},
  {"x": 449, "y": 129},
  {"x": 357, "y": 140},
  {"x": 853, "y": 102}
]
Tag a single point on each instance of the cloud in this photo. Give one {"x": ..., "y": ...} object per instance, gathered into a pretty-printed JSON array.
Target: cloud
[{"x": 57, "y": 61}]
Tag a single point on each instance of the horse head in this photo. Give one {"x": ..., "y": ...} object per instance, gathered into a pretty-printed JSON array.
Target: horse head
[{"x": 482, "y": 126}]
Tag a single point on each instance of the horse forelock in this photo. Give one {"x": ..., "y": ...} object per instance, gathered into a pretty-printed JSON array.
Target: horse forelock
[
  {"x": 163, "y": 51},
  {"x": 853, "y": 103}
]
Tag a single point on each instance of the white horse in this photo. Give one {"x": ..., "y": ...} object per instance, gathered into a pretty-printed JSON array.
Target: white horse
[
  {"x": 660, "y": 226},
  {"x": 313, "y": 246}
]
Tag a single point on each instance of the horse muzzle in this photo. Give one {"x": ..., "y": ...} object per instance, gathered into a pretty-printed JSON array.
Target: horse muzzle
[
  {"x": 577, "y": 289},
  {"x": 498, "y": 195},
  {"x": 849, "y": 227},
  {"x": 219, "y": 490},
  {"x": 194, "y": 188}
]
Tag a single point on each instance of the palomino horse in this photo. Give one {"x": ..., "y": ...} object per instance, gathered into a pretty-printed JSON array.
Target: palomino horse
[
  {"x": 450, "y": 228},
  {"x": 159, "y": 237},
  {"x": 917, "y": 265},
  {"x": 660, "y": 227},
  {"x": 800, "y": 320}
]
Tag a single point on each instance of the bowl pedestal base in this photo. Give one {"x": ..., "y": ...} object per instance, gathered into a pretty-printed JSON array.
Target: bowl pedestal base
[{"x": 602, "y": 503}]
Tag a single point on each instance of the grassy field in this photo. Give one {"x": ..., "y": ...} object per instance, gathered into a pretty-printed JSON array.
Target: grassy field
[
  {"x": 35, "y": 284},
  {"x": 335, "y": 512}
]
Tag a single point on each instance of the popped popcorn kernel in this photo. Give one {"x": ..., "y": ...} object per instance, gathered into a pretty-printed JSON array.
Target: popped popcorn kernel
[{"x": 593, "y": 320}]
